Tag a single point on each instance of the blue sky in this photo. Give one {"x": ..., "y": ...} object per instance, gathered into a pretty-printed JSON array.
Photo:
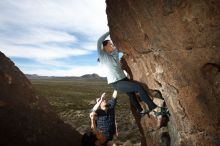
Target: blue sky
[{"x": 53, "y": 37}]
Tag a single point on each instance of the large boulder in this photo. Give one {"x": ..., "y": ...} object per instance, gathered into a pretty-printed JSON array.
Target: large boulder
[{"x": 173, "y": 46}]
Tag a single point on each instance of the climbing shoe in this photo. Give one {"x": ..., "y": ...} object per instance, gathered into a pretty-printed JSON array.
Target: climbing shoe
[
  {"x": 143, "y": 112},
  {"x": 160, "y": 111}
]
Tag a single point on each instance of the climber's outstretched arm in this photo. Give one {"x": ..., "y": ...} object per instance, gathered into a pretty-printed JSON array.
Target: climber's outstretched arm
[
  {"x": 100, "y": 40},
  {"x": 112, "y": 103}
]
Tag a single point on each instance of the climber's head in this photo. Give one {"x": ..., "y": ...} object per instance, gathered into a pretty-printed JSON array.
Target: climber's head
[
  {"x": 104, "y": 103},
  {"x": 107, "y": 46}
]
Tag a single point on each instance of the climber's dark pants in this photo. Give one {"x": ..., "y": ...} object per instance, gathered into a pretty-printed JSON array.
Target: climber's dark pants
[{"x": 130, "y": 87}]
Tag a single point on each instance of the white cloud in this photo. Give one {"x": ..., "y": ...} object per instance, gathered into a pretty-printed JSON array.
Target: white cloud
[
  {"x": 87, "y": 16},
  {"x": 53, "y": 29},
  {"x": 43, "y": 35},
  {"x": 43, "y": 52},
  {"x": 89, "y": 46},
  {"x": 32, "y": 22}
]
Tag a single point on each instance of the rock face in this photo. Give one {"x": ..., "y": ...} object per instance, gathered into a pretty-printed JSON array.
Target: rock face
[
  {"x": 173, "y": 46},
  {"x": 28, "y": 119}
]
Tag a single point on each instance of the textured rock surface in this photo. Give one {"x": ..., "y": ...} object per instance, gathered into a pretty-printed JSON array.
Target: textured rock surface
[
  {"x": 28, "y": 119},
  {"x": 173, "y": 46}
]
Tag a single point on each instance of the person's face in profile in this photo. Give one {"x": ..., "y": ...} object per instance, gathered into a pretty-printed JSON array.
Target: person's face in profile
[{"x": 109, "y": 47}]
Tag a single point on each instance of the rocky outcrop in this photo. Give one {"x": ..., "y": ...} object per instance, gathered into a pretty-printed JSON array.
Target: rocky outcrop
[
  {"x": 173, "y": 46},
  {"x": 26, "y": 118}
]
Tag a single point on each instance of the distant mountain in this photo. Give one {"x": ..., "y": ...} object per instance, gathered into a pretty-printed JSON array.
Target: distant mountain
[
  {"x": 84, "y": 77},
  {"x": 35, "y": 77},
  {"x": 92, "y": 76}
]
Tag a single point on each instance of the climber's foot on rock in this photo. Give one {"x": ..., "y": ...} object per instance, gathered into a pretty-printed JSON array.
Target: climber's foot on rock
[
  {"x": 158, "y": 112},
  {"x": 144, "y": 112}
]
